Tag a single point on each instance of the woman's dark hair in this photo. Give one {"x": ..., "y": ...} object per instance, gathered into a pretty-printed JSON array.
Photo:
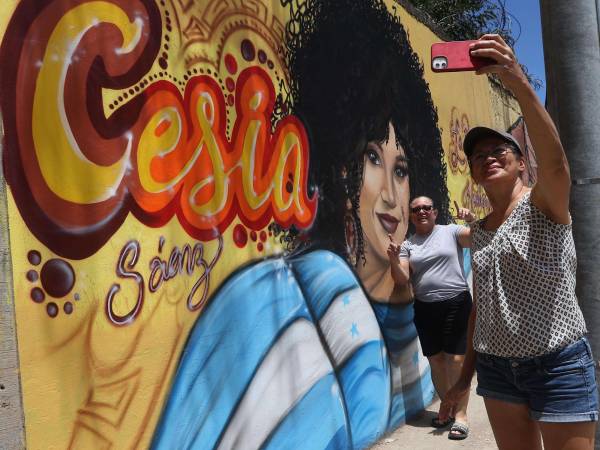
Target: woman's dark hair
[{"x": 352, "y": 72}]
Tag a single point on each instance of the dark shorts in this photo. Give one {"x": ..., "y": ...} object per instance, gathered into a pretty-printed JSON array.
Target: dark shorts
[
  {"x": 557, "y": 387},
  {"x": 442, "y": 326}
]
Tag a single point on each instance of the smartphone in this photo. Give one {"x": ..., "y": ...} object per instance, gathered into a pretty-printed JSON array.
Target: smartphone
[{"x": 455, "y": 57}]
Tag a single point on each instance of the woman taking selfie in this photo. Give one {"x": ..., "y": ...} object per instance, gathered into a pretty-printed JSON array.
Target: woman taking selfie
[{"x": 526, "y": 333}]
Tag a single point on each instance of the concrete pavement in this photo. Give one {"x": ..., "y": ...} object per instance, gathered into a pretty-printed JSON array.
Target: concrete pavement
[{"x": 418, "y": 434}]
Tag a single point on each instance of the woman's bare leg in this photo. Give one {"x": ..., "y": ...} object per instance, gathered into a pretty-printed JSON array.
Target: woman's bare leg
[
  {"x": 439, "y": 373},
  {"x": 512, "y": 426},
  {"x": 568, "y": 436},
  {"x": 454, "y": 363}
]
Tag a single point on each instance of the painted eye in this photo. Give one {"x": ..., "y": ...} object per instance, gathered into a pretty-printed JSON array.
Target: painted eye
[
  {"x": 401, "y": 171},
  {"x": 373, "y": 157}
]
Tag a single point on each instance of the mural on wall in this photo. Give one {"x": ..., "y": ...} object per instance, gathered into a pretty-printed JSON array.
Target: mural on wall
[
  {"x": 368, "y": 152},
  {"x": 473, "y": 196},
  {"x": 200, "y": 198}
]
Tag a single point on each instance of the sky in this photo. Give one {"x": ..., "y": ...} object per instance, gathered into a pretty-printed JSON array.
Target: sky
[{"x": 529, "y": 48}]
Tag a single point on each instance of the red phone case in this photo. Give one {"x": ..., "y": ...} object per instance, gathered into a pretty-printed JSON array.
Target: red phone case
[{"x": 456, "y": 56}]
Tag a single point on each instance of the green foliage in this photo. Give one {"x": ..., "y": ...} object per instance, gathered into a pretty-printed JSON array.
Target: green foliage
[{"x": 469, "y": 19}]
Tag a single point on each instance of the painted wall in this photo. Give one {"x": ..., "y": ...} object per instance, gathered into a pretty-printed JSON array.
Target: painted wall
[{"x": 199, "y": 197}]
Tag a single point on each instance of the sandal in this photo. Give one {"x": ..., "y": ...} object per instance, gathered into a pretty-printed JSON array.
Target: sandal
[
  {"x": 436, "y": 423},
  {"x": 458, "y": 431}
]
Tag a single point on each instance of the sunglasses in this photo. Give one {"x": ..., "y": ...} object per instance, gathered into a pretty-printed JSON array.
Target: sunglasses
[
  {"x": 427, "y": 208},
  {"x": 497, "y": 153}
]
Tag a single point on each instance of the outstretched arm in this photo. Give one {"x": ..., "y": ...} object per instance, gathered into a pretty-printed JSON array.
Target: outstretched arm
[{"x": 551, "y": 192}]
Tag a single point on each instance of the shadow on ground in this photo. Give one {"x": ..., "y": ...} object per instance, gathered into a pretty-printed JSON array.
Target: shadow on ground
[{"x": 418, "y": 434}]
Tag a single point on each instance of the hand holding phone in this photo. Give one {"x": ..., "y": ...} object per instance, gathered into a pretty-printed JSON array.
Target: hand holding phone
[
  {"x": 456, "y": 56},
  {"x": 505, "y": 65}
]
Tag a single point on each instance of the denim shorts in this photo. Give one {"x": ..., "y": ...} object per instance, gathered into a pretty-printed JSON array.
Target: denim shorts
[{"x": 557, "y": 387}]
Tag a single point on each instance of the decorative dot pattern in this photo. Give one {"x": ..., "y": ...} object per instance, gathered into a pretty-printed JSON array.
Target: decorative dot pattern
[
  {"x": 57, "y": 279},
  {"x": 240, "y": 236},
  {"x": 524, "y": 276}
]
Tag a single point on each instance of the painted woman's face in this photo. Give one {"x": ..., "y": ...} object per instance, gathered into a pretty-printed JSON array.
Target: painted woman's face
[{"x": 384, "y": 196}]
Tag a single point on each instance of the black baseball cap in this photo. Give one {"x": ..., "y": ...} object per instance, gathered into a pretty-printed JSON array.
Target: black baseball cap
[{"x": 478, "y": 133}]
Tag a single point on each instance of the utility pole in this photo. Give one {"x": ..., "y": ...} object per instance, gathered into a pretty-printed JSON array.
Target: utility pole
[{"x": 571, "y": 34}]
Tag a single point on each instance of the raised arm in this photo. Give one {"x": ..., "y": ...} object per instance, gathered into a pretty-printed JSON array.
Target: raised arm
[{"x": 551, "y": 192}]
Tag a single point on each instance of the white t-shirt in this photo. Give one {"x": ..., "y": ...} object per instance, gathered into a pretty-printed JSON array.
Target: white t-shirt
[{"x": 436, "y": 263}]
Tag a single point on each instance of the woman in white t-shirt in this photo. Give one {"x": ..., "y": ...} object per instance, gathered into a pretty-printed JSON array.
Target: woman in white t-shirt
[{"x": 432, "y": 260}]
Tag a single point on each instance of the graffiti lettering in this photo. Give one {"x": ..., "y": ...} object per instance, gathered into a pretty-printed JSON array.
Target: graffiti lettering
[
  {"x": 185, "y": 260},
  {"x": 179, "y": 260},
  {"x": 203, "y": 281},
  {"x": 124, "y": 263},
  {"x": 158, "y": 153}
]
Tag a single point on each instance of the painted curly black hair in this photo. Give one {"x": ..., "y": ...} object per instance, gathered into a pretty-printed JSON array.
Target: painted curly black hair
[{"x": 353, "y": 72}]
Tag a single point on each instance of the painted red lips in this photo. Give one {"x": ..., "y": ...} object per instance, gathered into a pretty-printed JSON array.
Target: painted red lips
[{"x": 389, "y": 223}]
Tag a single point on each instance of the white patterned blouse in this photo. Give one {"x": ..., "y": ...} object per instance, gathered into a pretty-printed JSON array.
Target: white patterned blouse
[{"x": 524, "y": 277}]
